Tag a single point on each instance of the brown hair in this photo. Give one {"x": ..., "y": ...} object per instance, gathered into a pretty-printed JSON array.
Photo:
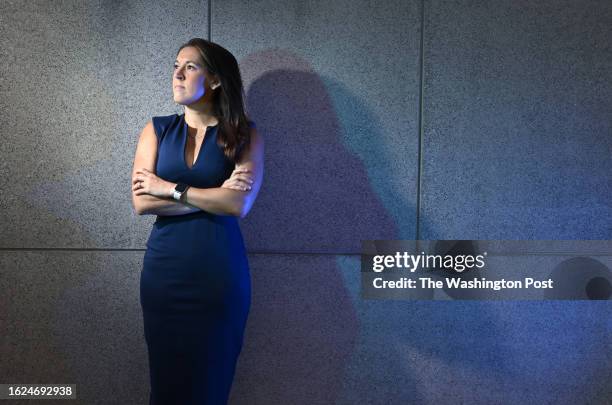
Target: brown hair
[{"x": 228, "y": 102}]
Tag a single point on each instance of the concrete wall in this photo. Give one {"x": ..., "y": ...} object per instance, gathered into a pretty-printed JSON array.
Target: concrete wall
[{"x": 397, "y": 120}]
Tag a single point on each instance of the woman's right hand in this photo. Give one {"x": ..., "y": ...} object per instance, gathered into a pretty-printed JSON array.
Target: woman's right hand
[{"x": 241, "y": 179}]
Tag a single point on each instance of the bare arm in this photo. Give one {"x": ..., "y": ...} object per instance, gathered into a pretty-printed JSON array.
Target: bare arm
[
  {"x": 146, "y": 154},
  {"x": 164, "y": 206},
  {"x": 226, "y": 201}
]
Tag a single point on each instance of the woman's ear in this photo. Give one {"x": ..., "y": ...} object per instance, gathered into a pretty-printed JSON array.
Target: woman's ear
[{"x": 215, "y": 82}]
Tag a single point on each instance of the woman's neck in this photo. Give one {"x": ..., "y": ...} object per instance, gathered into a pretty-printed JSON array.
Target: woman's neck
[{"x": 200, "y": 118}]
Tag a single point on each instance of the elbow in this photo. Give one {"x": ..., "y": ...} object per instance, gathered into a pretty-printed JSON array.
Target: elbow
[
  {"x": 244, "y": 205},
  {"x": 241, "y": 210},
  {"x": 137, "y": 206},
  {"x": 143, "y": 210},
  {"x": 138, "y": 210}
]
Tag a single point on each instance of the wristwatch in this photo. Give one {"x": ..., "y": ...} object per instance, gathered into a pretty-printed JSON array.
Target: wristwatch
[{"x": 179, "y": 189}]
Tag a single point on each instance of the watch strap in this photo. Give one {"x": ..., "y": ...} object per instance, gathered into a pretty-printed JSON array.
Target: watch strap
[{"x": 179, "y": 190}]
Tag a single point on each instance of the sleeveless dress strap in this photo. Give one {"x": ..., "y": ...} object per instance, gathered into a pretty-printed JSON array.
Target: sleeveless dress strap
[{"x": 161, "y": 124}]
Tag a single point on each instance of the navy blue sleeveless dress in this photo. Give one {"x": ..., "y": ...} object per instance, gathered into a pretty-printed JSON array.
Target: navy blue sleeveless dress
[{"x": 195, "y": 287}]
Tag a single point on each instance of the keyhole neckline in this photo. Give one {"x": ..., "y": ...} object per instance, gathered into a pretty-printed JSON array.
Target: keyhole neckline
[{"x": 185, "y": 133}]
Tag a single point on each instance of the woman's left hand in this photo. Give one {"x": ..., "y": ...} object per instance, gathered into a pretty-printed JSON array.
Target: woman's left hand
[{"x": 147, "y": 182}]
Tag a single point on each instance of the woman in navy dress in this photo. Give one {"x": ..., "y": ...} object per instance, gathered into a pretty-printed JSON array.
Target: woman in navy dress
[{"x": 195, "y": 287}]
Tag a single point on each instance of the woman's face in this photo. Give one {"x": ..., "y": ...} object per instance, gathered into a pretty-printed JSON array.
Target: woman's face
[{"x": 190, "y": 80}]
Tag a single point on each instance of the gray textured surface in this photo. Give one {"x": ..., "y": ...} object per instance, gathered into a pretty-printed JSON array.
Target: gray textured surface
[
  {"x": 74, "y": 317},
  {"x": 333, "y": 88},
  {"x": 309, "y": 339},
  {"x": 517, "y": 120},
  {"x": 516, "y": 145},
  {"x": 79, "y": 82}
]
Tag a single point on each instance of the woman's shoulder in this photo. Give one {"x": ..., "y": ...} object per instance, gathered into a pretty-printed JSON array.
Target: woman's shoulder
[{"x": 161, "y": 123}]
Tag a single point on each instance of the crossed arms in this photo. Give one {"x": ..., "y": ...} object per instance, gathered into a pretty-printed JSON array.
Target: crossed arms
[{"x": 152, "y": 195}]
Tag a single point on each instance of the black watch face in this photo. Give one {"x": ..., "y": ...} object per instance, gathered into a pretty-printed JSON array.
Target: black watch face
[{"x": 180, "y": 187}]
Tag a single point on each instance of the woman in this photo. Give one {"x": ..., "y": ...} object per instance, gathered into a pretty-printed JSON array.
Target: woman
[{"x": 197, "y": 171}]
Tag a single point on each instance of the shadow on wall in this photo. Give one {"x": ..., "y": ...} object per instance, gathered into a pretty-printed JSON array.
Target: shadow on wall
[
  {"x": 310, "y": 342},
  {"x": 317, "y": 195},
  {"x": 312, "y": 339}
]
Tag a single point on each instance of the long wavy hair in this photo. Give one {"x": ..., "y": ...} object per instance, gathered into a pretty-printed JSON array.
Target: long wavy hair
[{"x": 228, "y": 101}]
